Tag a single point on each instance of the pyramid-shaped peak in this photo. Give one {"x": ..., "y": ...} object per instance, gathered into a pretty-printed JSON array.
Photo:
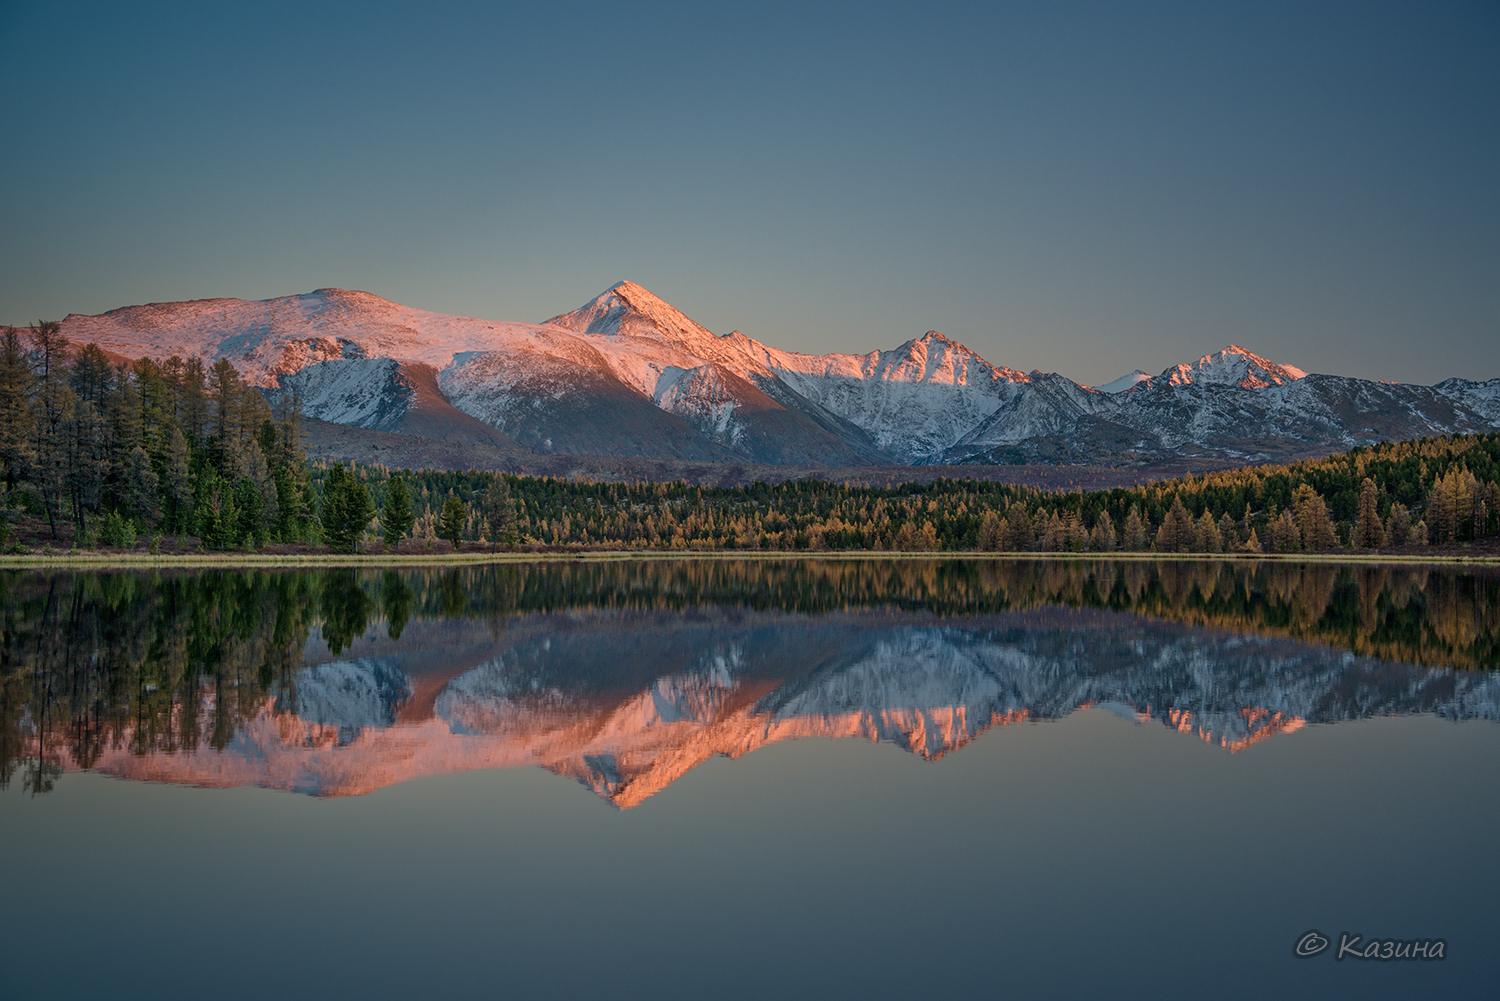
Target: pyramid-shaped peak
[
  {"x": 1235, "y": 351},
  {"x": 628, "y": 309},
  {"x": 933, "y": 337}
]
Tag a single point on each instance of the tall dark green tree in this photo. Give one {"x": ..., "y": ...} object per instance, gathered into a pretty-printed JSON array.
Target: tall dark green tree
[
  {"x": 216, "y": 515},
  {"x": 361, "y": 510},
  {"x": 52, "y": 407},
  {"x": 15, "y": 413},
  {"x": 347, "y": 510},
  {"x": 178, "y": 483},
  {"x": 500, "y": 513},
  {"x": 396, "y": 518},
  {"x": 451, "y": 524}
]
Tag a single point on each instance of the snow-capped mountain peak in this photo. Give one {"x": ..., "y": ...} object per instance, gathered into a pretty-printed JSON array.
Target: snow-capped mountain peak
[
  {"x": 1233, "y": 366},
  {"x": 1124, "y": 382},
  {"x": 626, "y": 309}
]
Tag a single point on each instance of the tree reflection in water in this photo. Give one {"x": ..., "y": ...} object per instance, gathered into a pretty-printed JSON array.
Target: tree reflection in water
[{"x": 178, "y": 663}]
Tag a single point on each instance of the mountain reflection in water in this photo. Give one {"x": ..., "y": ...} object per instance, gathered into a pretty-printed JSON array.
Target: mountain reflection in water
[{"x": 625, "y": 675}]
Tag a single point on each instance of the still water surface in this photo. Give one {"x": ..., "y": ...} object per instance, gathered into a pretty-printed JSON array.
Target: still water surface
[{"x": 738, "y": 779}]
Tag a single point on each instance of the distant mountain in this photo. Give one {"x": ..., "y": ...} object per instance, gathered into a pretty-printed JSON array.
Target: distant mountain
[
  {"x": 627, "y": 374},
  {"x": 1124, "y": 382}
]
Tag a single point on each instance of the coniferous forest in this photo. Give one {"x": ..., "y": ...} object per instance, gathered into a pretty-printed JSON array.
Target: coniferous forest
[
  {"x": 103, "y": 452},
  {"x": 106, "y": 451}
]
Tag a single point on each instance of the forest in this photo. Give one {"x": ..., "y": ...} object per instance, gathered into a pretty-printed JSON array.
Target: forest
[
  {"x": 103, "y": 450},
  {"x": 99, "y": 452},
  {"x": 1390, "y": 498}
]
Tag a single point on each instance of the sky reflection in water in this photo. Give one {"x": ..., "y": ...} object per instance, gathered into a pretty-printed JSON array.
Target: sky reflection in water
[{"x": 1007, "y": 861}]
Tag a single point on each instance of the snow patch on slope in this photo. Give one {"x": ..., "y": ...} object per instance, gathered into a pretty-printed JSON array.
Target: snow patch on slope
[
  {"x": 700, "y": 396},
  {"x": 1124, "y": 382},
  {"x": 363, "y": 392},
  {"x": 1480, "y": 397}
]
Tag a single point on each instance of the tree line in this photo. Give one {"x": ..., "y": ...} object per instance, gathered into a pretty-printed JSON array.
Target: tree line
[
  {"x": 1388, "y": 497},
  {"x": 104, "y": 450}
]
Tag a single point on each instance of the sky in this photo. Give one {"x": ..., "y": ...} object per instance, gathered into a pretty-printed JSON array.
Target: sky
[{"x": 1086, "y": 188}]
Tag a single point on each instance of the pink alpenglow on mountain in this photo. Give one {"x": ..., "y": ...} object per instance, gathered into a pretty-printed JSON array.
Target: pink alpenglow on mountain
[{"x": 628, "y": 374}]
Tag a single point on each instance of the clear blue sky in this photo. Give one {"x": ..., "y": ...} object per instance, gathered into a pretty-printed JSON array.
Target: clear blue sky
[{"x": 1085, "y": 188}]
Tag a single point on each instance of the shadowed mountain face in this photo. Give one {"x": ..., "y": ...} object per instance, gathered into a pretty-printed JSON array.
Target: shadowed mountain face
[
  {"x": 627, "y": 374},
  {"x": 625, "y": 676}
]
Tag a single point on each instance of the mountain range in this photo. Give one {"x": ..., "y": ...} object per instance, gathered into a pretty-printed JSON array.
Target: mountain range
[{"x": 627, "y": 374}]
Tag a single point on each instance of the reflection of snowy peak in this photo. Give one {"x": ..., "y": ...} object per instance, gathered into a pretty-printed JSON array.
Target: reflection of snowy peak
[
  {"x": 629, "y": 374},
  {"x": 626, "y": 705},
  {"x": 351, "y": 695}
]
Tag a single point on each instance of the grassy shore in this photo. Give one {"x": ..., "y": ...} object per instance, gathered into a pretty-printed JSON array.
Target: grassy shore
[{"x": 112, "y": 560}]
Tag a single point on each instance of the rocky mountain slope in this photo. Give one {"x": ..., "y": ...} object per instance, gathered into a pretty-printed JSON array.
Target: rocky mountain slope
[{"x": 627, "y": 374}]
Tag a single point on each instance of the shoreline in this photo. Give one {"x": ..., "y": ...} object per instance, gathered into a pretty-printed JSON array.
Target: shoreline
[{"x": 395, "y": 560}]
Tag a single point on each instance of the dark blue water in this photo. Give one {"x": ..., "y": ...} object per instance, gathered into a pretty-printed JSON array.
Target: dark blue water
[{"x": 634, "y": 786}]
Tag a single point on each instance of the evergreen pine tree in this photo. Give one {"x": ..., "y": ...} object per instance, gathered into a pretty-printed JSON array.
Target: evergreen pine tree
[
  {"x": 178, "y": 483},
  {"x": 500, "y": 513},
  {"x": 192, "y": 402},
  {"x": 215, "y": 516},
  {"x": 15, "y": 414},
  {"x": 451, "y": 524},
  {"x": 332, "y": 515},
  {"x": 396, "y": 517},
  {"x": 347, "y": 510},
  {"x": 360, "y": 510},
  {"x": 142, "y": 497},
  {"x": 51, "y": 408}
]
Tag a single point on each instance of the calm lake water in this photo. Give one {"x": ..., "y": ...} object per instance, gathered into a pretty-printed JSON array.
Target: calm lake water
[{"x": 749, "y": 779}]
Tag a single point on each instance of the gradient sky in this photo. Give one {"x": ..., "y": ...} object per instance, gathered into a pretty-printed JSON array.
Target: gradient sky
[{"x": 1083, "y": 188}]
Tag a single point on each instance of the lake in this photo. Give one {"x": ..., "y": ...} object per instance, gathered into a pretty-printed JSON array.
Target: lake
[{"x": 740, "y": 778}]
